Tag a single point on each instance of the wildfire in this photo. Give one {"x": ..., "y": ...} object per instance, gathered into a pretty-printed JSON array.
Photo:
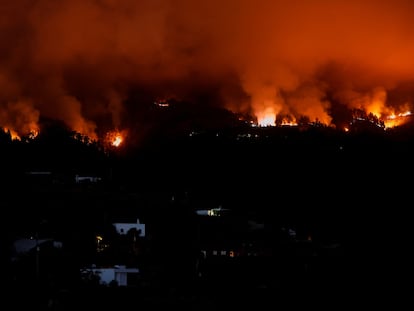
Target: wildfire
[
  {"x": 117, "y": 141},
  {"x": 14, "y": 135},
  {"x": 383, "y": 118},
  {"x": 266, "y": 121},
  {"x": 33, "y": 134},
  {"x": 266, "y": 118},
  {"x": 394, "y": 120},
  {"x": 115, "y": 138},
  {"x": 288, "y": 122}
]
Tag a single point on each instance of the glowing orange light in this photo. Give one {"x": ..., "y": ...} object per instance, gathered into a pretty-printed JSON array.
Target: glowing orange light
[
  {"x": 117, "y": 141},
  {"x": 33, "y": 134},
  {"x": 394, "y": 120},
  {"x": 289, "y": 122},
  {"x": 13, "y": 134},
  {"x": 16, "y": 136},
  {"x": 115, "y": 138},
  {"x": 266, "y": 116},
  {"x": 267, "y": 121}
]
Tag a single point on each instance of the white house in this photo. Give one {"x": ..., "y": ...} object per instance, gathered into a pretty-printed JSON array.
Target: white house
[
  {"x": 87, "y": 179},
  {"x": 118, "y": 274},
  {"x": 123, "y": 228}
]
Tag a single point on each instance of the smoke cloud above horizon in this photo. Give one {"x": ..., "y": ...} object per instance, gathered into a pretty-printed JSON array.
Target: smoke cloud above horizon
[{"x": 79, "y": 61}]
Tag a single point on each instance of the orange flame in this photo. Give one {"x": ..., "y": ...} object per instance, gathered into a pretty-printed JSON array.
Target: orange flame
[
  {"x": 13, "y": 134},
  {"x": 115, "y": 138},
  {"x": 394, "y": 120},
  {"x": 33, "y": 133},
  {"x": 266, "y": 117},
  {"x": 289, "y": 122},
  {"x": 117, "y": 141}
]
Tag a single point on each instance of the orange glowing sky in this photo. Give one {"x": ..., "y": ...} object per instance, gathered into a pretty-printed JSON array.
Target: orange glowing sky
[{"x": 80, "y": 60}]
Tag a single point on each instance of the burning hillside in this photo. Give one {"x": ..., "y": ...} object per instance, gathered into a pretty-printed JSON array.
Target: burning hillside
[{"x": 97, "y": 65}]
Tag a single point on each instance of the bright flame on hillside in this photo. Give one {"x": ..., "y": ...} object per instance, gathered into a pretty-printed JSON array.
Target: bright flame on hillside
[
  {"x": 14, "y": 135},
  {"x": 115, "y": 138},
  {"x": 117, "y": 141},
  {"x": 267, "y": 121},
  {"x": 394, "y": 120},
  {"x": 33, "y": 134},
  {"x": 266, "y": 117},
  {"x": 288, "y": 122}
]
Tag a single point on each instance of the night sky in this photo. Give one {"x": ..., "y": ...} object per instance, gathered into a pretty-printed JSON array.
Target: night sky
[{"x": 94, "y": 63}]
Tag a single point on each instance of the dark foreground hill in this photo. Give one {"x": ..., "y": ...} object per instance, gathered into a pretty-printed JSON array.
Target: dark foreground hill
[{"x": 347, "y": 189}]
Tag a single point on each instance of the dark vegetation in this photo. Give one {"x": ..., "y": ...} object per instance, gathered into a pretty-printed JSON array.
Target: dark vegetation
[{"x": 349, "y": 189}]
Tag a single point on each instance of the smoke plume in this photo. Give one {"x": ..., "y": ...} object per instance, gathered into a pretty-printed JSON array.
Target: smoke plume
[{"x": 79, "y": 61}]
